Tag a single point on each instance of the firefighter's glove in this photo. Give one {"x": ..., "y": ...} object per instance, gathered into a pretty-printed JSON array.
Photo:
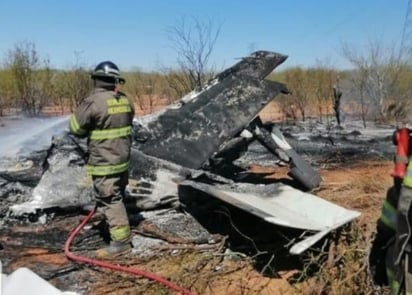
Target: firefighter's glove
[
  {"x": 140, "y": 188},
  {"x": 141, "y": 193},
  {"x": 146, "y": 196}
]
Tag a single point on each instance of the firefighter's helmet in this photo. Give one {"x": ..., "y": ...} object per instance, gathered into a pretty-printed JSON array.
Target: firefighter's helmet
[{"x": 107, "y": 70}]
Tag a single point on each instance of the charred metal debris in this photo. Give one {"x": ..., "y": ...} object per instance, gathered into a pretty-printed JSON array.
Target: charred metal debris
[{"x": 185, "y": 183}]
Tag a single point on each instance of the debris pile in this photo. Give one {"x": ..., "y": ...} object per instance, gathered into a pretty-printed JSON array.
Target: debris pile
[{"x": 190, "y": 186}]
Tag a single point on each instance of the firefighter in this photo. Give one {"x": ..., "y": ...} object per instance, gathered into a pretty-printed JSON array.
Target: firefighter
[
  {"x": 399, "y": 266},
  {"x": 402, "y": 281},
  {"x": 105, "y": 118},
  {"x": 389, "y": 255}
]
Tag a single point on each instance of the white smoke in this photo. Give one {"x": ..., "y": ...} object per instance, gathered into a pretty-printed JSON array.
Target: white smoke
[{"x": 21, "y": 135}]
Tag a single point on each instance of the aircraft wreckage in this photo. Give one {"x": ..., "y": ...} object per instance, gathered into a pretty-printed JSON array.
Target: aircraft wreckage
[{"x": 188, "y": 149}]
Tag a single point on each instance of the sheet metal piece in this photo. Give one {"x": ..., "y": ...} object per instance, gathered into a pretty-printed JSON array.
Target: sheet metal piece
[{"x": 282, "y": 205}]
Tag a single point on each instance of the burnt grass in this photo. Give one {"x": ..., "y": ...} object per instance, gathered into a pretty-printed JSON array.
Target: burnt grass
[{"x": 246, "y": 244}]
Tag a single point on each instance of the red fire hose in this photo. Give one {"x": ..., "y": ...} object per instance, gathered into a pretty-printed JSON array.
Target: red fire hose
[{"x": 107, "y": 265}]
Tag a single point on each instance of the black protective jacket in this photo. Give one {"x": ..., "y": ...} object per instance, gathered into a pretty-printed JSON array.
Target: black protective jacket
[{"x": 105, "y": 118}]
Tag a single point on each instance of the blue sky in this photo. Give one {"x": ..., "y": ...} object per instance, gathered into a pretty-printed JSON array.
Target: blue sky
[{"x": 133, "y": 33}]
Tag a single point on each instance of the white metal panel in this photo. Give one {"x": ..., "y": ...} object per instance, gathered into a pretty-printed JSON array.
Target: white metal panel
[{"x": 283, "y": 205}]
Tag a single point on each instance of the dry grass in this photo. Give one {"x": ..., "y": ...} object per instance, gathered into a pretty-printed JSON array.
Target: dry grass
[
  {"x": 338, "y": 268},
  {"x": 343, "y": 268}
]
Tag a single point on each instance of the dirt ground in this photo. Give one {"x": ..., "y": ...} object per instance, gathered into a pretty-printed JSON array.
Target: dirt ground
[
  {"x": 360, "y": 186},
  {"x": 357, "y": 185}
]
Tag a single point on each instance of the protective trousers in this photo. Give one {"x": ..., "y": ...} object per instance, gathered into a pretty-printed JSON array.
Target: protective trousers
[
  {"x": 381, "y": 253},
  {"x": 109, "y": 192},
  {"x": 402, "y": 251}
]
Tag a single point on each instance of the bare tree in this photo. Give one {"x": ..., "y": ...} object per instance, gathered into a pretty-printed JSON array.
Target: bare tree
[
  {"x": 7, "y": 91},
  {"x": 178, "y": 82},
  {"x": 146, "y": 89},
  {"x": 298, "y": 84},
  {"x": 288, "y": 107},
  {"x": 79, "y": 83},
  {"x": 72, "y": 85},
  {"x": 193, "y": 42},
  {"x": 380, "y": 70},
  {"x": 322, "y": 89},
  {"x": 358, "y": 79},
  {"x": 134, "y": 87},
  {"x": 32, "y": 77}
]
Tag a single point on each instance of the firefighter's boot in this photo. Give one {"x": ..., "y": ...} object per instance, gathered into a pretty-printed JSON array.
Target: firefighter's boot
[{"x": 120, "y": 243}]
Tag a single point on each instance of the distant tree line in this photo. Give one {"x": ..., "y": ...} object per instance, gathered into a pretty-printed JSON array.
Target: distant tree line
[
  {"x": 28, "y": 83},
  {"x": 379, "y": 87}
]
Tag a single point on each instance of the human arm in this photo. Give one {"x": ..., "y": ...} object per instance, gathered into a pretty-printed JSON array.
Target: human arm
[{"x": 81, "y": 120}]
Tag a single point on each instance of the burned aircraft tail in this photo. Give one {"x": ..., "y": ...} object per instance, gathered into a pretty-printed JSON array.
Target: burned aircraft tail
[
  {"x": 257, "y": 65},
  {"x": 188, "y": 134}
]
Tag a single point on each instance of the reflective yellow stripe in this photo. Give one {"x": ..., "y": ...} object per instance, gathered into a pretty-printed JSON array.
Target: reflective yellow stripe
[
  {"x": 388, "y": 222},
  {"x": 120, "y": 233},
  {"x": 118, "y": 106},
  {"x": 107, "y": 170},
  {"x": 111, "y": 133},
  {"x": 394, "y": 285},
  {"x": 75, "y": 126},
  {"x": 388, "y": 216},
  {"x": 116, "y": 102},
  {"x": 119, "y": 110},
  {"x": 390, "y": 275},
  {"x": 407, "y": 181}
]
